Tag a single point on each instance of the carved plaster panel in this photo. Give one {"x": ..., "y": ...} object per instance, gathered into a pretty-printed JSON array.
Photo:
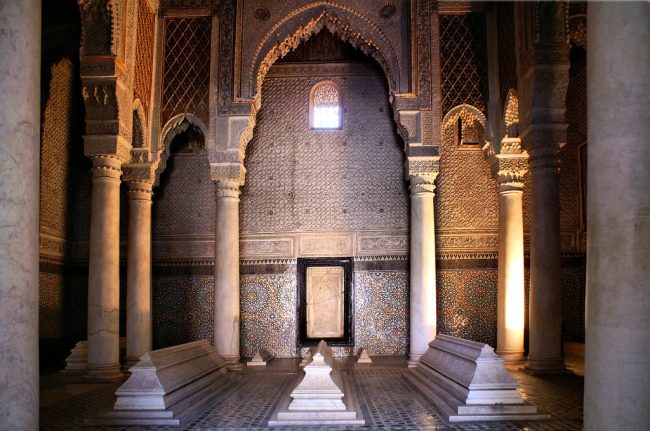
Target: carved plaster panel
[{"x": 325, "y": 246}]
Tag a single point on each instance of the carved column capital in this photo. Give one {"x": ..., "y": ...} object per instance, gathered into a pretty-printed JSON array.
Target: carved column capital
[
  {"x": 226, "y": 188},
  {"x": 422, "y": 184},
  {"x": 508, "y": 165},
  {"x": 106, "y": 166},
  {"x": 139, "y": 178}
]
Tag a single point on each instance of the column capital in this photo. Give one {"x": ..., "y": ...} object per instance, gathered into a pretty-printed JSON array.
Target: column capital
[
  {"x": 508, "y": 165},
  {"x": 422, "y": 169},
  {"x": 230, "y": 171},
  {"x": 139, "y": 178},
  {"x": 226, "y": 188},
  {"x": 424, "y": 183},
  {"x": 107, "y": 166}
]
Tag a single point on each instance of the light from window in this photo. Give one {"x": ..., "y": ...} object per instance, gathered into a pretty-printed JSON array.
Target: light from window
[{"x": 326, "y": 110}]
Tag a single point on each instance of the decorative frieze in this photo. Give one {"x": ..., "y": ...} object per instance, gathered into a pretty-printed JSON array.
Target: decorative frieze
[{"x": 325, "y": 246}]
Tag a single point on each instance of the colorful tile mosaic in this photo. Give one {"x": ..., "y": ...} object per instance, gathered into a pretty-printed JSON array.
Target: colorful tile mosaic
[
  {"x": 467, "y": 304},
  {"x": 268, "y": 315},
  {"x": 382, "y": 312},
  {"x": 183, "y": 309}
]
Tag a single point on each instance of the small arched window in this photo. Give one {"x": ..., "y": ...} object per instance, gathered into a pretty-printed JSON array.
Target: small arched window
[{"x": 325, "y": 106}]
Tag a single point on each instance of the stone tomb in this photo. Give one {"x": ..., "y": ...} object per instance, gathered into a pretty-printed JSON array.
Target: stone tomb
[
  {"x": 318, "y": 398},
  {"x": 168, "y": 385},
  {"x": 467, "y": 381}
]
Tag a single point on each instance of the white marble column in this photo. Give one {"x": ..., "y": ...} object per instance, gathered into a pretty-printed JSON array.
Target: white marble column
[
  {"x": 617, "y": 380},
  {"x": 511, "y": 305},
  {"x": 20, "y": 54},
  {"x": 104, "y": 271},
  {"x": 226, "y": 273},
  {"x": 423, "y": 267},
  {"x": 545, "y": 300},
  {"x": 138, "y": 272}
]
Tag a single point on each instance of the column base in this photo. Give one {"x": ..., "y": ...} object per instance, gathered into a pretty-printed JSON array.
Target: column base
[
  {"x": 233, "y": 364},
  {"x": 512, "y": 358},
  {"x": 414, "y": 360},
  {"x": 103, "y": 373},
  {"x": 545, "y": 367}
]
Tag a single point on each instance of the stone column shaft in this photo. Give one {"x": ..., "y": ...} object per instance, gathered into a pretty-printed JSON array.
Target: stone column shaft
[
  {"x": 20, "y": 55},
  {"x": 138, "y": 272},
  {"x": 511, "y": 303},
  {"x": 226, "y": 272},
  {"x": 104, "y": 271},
  {"x": 423, "y": 267},
  {"x": 545, "y": 314},
  {"x": 617, "y": 380}
]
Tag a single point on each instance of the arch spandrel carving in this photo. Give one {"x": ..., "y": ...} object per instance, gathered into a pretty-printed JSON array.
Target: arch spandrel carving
[{"x": 348, "y": 23}]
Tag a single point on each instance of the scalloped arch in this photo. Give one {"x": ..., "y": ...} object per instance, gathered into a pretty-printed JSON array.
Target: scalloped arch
[
  {"x": 346, "y": 22},
  {"x": 175, "y": 126},
  {"x": 138, "y": 110},
  {"x": 466, "y": 113}
]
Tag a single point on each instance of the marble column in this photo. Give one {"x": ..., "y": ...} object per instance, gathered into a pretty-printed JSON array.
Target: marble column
[
  {"x": 545, "y": 300},
  {"x": 226, "y": 273},
  {"x": 138, "y": 272},
  {"x": 511, "y": 304},
  {"x": 20, "y": 54},
  {"x": 617, "y": 381},
  {"x": 104, "y": 271},
  {"x": 423, "y": 267}
]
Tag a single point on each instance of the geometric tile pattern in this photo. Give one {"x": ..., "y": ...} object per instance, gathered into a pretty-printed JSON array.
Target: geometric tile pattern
[
  {"x": 382, "y": 312},
  {"x": 463, "y": 61},
  {"x": 386, "y": 400},
  {"x": 467, "y": 304},
  {"x": 186, "y": 77},
  {"x": 268, "y": 315},
  {"x": 183, "y": 309}
]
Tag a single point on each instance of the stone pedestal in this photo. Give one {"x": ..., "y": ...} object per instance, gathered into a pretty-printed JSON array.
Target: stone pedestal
[
  {"x": 226, "y": 273},
  {"x": 20, "y": 54},
  {"x": 104, "y": 271},
  {"x": 617, "y": 381},
  {"x": 138, "y": 272},
  {"x": 423, "y": 267}
]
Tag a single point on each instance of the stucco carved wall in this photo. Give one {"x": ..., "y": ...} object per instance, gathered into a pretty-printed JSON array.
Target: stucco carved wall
[{"x": 324, "y": 180}]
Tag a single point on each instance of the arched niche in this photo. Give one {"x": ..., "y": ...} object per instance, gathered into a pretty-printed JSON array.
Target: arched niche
[
  {"x": 175, "y": 126},
  {"x": 467, "y": 125}
]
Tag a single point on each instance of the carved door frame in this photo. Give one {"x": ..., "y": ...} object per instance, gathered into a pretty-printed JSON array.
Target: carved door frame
[{"x": 301, "y": 307}]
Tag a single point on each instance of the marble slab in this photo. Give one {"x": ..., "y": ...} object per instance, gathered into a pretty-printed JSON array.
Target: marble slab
[
  {"x": 166, "y": 385},
  {"x": 467, "y": 381}
]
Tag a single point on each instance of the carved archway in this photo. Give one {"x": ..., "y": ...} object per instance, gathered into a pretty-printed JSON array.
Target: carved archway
[
  {"x": 300, "y": 25},
  {"x": 349, "y": 24},
  {"x": 174, "y": 127}
]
